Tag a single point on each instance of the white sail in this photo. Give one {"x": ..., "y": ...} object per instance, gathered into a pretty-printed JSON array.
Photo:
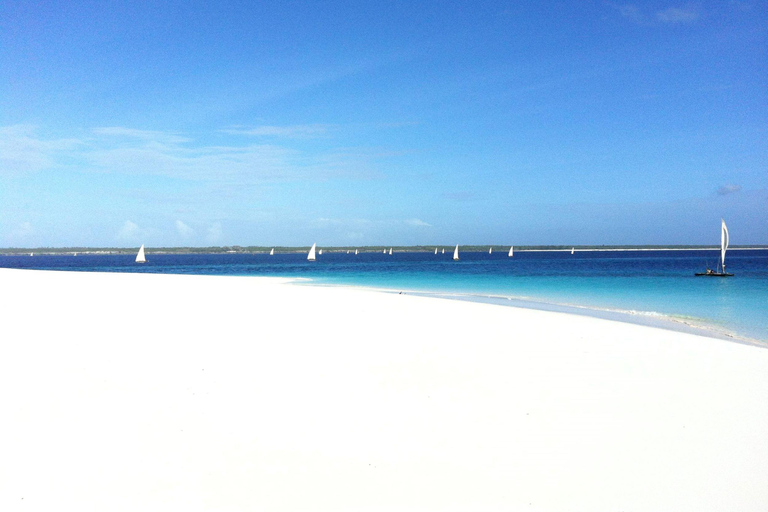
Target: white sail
[
  {"x": 140, "y": 256},
  {"x": 435, "y": 250},
  {"x": 355, "y": 251},
  {"x": 443, "y": 251},
  {"x": 723, "y": 243},
  {"x": 272, "y": 252},
  {"x": 511, "y": 251},
  {"x": 390, "y": 251},
  {"x": 347, "y": 252},
  {"x": 456, "y": 252},
  {"x": 490, "y": 250},
  {"x": 572, "y": 249},
  {"x": 31, "y": 254},
  {"x": 320, "y": 252},
  {"x": 311, "y": 255}
]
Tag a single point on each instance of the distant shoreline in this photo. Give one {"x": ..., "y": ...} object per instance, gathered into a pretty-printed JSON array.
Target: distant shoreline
[{"x": 62, "y": 251}]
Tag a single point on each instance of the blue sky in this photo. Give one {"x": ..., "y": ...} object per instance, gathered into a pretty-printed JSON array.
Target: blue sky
[{"x": 359, "y": 123}]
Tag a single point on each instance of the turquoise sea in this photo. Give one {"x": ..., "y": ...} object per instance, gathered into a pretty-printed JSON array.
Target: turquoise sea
[{"x": 657, "y": 287}]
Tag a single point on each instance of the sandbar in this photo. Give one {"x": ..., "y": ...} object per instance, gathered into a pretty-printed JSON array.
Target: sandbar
[{"x": 220, "y": 393}]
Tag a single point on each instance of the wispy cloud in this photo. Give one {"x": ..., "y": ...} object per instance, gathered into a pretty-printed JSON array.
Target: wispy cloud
[
  {"x": 22, "y": 151},
  {"x": 129, "y": 232},
  {"x": 629, "y": 11},
  {"x": 417, "y": 223},
  {"x": 728, "y": 189},
  {"x": 292, "y": 132},
  {"x": 669, "y": 16},
  {"x": 146, "y": 152},
  {"x": 147, "y": 135},
  {"x": 184, "y": 230},
  {"x": 677, "y": 15}
]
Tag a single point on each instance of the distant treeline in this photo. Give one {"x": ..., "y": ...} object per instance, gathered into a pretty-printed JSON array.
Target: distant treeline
[{"x": 236, "y": 249}]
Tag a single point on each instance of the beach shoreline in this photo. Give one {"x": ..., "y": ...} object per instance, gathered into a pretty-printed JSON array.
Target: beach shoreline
[
  {"x": 165, "y": 392},
  {"x": 697, "y": 326}
]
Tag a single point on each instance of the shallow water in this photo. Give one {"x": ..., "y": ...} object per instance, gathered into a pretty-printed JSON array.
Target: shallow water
[{"x": 645, "y": 283}]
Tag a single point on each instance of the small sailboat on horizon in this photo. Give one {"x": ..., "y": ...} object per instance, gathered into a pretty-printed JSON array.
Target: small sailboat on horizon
[
  {"x": 511, "y": 251},
  {"x": 490, "y": 250},
  {"x": 311, "y": 255},
  {"x": 720, "y": 270},
  {"x": 572, "y": 249},
  {"x": 390, "y": 251},
  {"x": 456, "y": 253},
  {"x": 355, "y": 251},
  {"x": 435, "y": 250},
  {"x": 140, "y": 258},
  {"x": 272, "y": 252}
]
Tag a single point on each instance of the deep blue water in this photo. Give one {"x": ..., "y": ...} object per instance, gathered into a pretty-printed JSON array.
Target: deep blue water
[{"x": 646, "y": 282}]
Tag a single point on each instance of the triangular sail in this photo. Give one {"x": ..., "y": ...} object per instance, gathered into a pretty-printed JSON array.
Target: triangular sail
[
  {"x": 435, "y": 250},
  {"x": 355, "y": 251},
  {"x": 272, "y": 252},
  {"x": 572, "y": 249},
  {"x": 723, "y": 243},
  {"x": 490, "y": 250},
  {"x": 511, "y": 251},
  {"x": 456, "y": 252},
  {"x": 390, "y": 251},
  {"x": 311, "y": 255},
  {"x": 140, "y": 256}
]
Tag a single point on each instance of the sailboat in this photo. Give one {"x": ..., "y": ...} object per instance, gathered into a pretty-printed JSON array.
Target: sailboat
[
  {"x": 443, "y": 251},
  {"x": 435, "y": 250},
  {"x": 511, "y": 251},
  {"x": 272, "y": 252},
  {"x": 355, "y": 251},
  {"x": 572, "y": 249},
  {"x": 720, "y": 270},
  {"x": 490, "y": 250},
  {"x": 456, "y": 253},
  {"x": 390, "y": 251},
  {"x": 320, "y": 252},
  {"x": 140, "y": 256},
  {"x": 311, "y": 255}
]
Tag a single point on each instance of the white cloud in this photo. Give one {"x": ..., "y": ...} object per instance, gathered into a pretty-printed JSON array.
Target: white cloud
[
  {"x": 132, "y": 133},
  {"x": 145, "y": 152},
  {"x": 630, "y": 11},
  {"x": 22, "y": 151},
  {"x": 677, "y": 15},
  {"x": 728, "y": 189},
  {"x": 417, "y": 223},
  {"x": 294, "y": 131},
  {"x": 184, "y": 230},
  {"x": 130, "y": 232}
]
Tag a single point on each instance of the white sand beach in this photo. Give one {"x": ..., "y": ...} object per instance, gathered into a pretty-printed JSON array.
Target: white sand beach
[{"x": 138, "y": 392}]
